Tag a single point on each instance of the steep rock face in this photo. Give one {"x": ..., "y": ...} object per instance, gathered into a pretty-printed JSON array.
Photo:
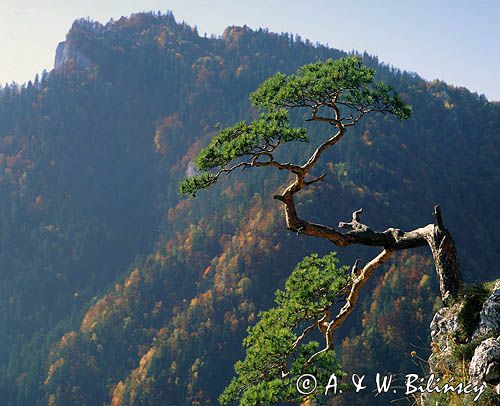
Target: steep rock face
[
  {"x": 489, "y": 322},
  {"x": 70, "y": 50},
  {"x": 466, "y": 343},
  {"x": 66, "y": 53},
  {"x": 442, "y": 328},
  {"x": 485, "y": 364}
]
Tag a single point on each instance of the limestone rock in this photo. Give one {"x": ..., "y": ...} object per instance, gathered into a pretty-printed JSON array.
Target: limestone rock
[
  {"x": 66, "y": 52},
  {"x": 490, "y": 315},
  {"x": 443, "y": 325},
  {"x": 485, "y": 364}
]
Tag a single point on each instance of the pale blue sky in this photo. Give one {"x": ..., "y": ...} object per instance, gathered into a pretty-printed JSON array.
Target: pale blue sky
[{"x": 454, "y": 40}]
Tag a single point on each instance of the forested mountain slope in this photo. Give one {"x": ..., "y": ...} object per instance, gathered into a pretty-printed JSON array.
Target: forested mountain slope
[{"x": 112, "y": 288}]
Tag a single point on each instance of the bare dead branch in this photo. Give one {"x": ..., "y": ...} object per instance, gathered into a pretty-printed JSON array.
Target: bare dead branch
[
  {"x": 358, "y": 282},
  {"x": 355, "y": 268},
  {"x": 318, "y": 179},
  {"x": 229, "y": 170},
  {"x": 305, "y": 333}
]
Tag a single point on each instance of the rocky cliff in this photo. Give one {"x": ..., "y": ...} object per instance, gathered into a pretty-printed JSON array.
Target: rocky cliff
[
  {"x": 466, "y": 347},
  {"x": 67, "y": 53}
]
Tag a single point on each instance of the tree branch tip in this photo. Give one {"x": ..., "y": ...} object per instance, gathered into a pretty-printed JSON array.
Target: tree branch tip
[
  {"x": 318, "y": 179},
  {"x": 355, "y": 267},
  {"x": 279, "y": 197},
  {"x": 356, "y": 215},
  {"x": 438, "y": 217}
]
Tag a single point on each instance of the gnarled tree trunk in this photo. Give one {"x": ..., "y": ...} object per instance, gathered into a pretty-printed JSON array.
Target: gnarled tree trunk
[{"x": 445, "y": 257}]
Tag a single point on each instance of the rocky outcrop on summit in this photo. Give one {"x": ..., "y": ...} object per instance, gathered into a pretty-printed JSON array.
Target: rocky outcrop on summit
[
  {"x": 65, "y": 53},
  {"x": 69, "y": 51}
]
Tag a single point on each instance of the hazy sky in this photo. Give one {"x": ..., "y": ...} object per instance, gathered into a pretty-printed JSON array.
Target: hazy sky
[{"x": 454, "y": 40}]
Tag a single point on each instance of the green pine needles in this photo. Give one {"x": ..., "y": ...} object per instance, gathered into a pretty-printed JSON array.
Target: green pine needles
[
  {"x": 241, "y": 140},
  {"x": 347, "y": 80},
  {"x": 346, "y": 85},
  {"x": 277, "y": 352}
]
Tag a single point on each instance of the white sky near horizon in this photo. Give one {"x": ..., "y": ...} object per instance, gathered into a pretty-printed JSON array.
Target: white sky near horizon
[{"x": 457, "y": 41}]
